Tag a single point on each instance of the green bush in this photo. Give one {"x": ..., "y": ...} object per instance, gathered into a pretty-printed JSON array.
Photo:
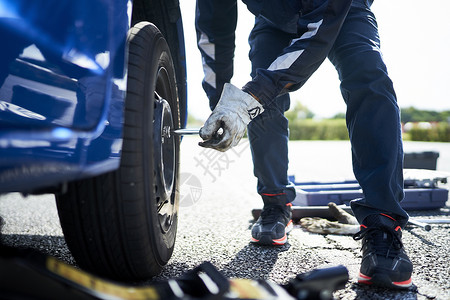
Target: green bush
[
  {"x": 438, "y": 133},
  {"x": 310, "y": 129},
  {"x": 336, "y": 129}
]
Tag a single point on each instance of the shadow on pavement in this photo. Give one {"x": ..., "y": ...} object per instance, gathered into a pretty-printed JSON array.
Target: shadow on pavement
[
  {"x": 259, "y": 267},
  {"x": 49, "y": 245}
]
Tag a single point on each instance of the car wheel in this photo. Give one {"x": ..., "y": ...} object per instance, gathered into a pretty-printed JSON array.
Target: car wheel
[{"x": 123, "y": 224}]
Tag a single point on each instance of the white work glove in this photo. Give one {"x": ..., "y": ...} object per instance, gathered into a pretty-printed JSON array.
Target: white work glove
[{"x": 232, "y": 114}]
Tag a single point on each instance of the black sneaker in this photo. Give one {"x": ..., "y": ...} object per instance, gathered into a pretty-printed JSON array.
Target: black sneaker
[
  {"x": 384, "y": 262},
  {"x": 272, "y": 226}
]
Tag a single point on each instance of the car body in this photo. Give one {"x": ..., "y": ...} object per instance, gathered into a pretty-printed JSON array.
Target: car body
[
  {"x": 90, "y": 91},
  {"x": 62, "y": 88}
]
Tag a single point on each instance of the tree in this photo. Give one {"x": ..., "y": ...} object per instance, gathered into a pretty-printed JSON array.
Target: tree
[
  {"x": 300, "y": 111},
  {"x": 339, "y": 116},
  {"x": 412, "y": 114}
]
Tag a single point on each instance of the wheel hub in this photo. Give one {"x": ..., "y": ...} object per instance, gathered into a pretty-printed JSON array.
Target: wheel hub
[{"x": 164, "y": 162}]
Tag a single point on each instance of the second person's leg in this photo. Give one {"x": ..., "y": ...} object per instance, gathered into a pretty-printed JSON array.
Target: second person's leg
[
  {"x": 373, "y": 122},
  {"x": 268, "y": 136}
]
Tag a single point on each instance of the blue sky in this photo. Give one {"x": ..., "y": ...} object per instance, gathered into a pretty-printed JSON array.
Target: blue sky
[{"x": 415, "y": 41}]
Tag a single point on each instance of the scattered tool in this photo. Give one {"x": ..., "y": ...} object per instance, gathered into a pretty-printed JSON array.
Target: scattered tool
[
  {"x": 425, "y": 226},
  {"x": 426, "y": 223},
  {"x": 346, "y": 223},
  {"x": 28, "y": 274},
  {"x": 422, "y": 191},
  {"x": 433, "y": 221}
]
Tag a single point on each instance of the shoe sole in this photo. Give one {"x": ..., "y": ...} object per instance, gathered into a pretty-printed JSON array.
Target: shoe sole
[
  {"x": 266, "y": 239},
  {"x": 383, "y": 280}
]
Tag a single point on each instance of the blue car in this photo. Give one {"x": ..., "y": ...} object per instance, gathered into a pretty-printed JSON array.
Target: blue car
[{"x": 90, "y": 93}]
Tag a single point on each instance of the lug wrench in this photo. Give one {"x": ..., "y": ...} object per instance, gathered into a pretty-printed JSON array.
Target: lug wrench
[{"x": 186, "y": 131}]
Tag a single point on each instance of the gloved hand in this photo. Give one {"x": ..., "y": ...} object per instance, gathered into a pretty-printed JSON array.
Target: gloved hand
[{"x": 232, "y": 114}]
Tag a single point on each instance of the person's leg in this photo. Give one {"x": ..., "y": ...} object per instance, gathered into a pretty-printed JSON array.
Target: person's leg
[
  {"x": 373, "y": 117},
  {"x": 268, "y": 136},
  {"x": 215, "y": 24},
  {"x": 373, "y": 122}
]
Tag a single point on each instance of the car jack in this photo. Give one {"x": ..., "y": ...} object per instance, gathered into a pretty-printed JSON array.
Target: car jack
[{"x": 28, "y": 274}]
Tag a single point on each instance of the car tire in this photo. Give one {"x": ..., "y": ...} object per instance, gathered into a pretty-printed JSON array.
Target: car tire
[{"x": 122, "y": 225}]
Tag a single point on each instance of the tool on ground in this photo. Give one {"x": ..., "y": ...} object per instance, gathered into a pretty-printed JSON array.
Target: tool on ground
[
  {"x": 28, "y": 274},
  {"x": 426, "y": 223},
  {"x": 186, "y": 131},
  {"x": 433, "y": 221},
  {"x": 425, "y": 226},
  {"x": 345, "y": 222},
  {"x": 422, "y": 190},
  {"x": 318, "y": 284}
]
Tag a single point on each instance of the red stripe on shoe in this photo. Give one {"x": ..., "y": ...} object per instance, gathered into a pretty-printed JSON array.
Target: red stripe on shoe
[
  {"x": 281, "y": 241},
  {"x": 289, "y": 226},
  {"x": 264, "y": 194},
  {"x": 364, "y": 278},
  {"x": 388, "y": 216},
  {"x": 405, "y": 283}
]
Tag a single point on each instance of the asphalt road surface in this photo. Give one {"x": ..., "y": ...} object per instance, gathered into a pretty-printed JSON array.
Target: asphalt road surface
[{"x": 217, "y": 195}]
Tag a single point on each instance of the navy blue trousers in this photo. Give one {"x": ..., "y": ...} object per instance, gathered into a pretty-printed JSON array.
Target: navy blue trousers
[{"x": 373, "y": 118}]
